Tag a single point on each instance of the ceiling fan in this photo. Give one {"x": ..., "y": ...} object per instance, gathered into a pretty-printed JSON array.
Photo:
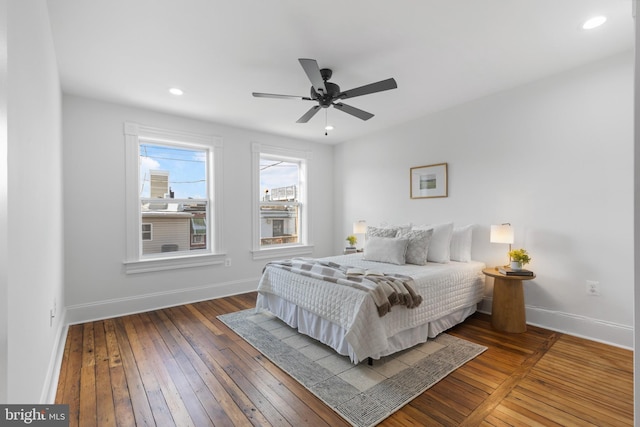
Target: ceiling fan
[{"x": 327, "y": 94}]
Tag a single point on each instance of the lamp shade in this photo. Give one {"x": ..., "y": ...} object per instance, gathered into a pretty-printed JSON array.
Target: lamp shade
[
  {"x": 360, "y": 227},
  {"x": 502, "y": 233}
]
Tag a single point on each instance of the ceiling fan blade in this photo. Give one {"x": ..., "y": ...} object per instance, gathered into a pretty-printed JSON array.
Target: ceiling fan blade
[
  {"x": 273, "y": 95},
  {"x": 367, "y": 89},
  {"x": 312, "y": 69},
  {"x": 361, "y": 114},
  {"x": 307, "y": 116}
]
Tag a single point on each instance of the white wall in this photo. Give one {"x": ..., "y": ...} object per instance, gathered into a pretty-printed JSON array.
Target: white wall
[
  {"x": 636, "y": 188},
  {"x": 34, "y": 204},
  {"x": 94, "y": 162},
  {"x": 554, "y": 158},
  {"x": 4, "y": 207}
]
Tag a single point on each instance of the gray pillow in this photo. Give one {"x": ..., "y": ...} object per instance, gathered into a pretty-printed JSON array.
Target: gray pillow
[
  {"x": 440, "y": 246},
  {"x": 418, "y": 246},
  {"x": 380, "y": 232},
  {"x": 386, "y": 249}
]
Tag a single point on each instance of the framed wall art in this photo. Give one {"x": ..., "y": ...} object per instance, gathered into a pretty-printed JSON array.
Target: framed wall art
[{"x": 428, "y": 181}]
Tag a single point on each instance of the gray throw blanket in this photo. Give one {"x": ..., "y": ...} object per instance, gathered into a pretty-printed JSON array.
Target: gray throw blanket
[{"x": 386, "y": 290}]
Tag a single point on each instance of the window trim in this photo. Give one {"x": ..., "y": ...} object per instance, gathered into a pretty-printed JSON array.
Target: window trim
[
  {"x": 305, "y": 247},
  {"x": 134, "y": 261}
]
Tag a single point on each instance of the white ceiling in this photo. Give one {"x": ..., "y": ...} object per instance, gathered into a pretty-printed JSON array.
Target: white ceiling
[{"x": 441, "y": 53}]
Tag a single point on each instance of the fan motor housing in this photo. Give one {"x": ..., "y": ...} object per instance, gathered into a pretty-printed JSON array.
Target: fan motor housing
[{"x": 326, "y": 99}]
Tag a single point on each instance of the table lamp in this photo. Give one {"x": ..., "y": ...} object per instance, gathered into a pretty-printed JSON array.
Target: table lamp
[
  {"x": 360, "y": 228},
  {"x": 502, "y": 233}
]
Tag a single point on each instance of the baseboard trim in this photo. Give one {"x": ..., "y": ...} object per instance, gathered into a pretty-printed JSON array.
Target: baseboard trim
[
  {"x": 572, "y": 324},
  {"x": 81, "y": 313},
  {"x": 589, "y": 328},
  {"x": 50, "y": 388}
]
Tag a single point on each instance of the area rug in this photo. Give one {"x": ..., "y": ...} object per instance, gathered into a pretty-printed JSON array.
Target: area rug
[{"x": 363, "y": 395}]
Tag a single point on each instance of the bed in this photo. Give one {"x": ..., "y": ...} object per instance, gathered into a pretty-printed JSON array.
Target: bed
[{"x": 347, "y": 319}]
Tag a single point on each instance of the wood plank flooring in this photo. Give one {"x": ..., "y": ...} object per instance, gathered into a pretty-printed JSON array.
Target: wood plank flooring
[{"x": 182, "y": 367}]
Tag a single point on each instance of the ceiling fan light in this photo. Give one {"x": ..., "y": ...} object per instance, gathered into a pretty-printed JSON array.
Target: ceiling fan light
[{"x": 594, "y": 22}]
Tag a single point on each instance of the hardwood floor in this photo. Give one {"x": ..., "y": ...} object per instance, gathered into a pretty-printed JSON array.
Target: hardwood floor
[{"x": 181, "y": 366}]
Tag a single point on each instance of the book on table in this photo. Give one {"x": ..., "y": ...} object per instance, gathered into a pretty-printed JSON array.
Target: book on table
[
  {"x": 355, "y": 271},
  {"x": 508, "y": 271}
]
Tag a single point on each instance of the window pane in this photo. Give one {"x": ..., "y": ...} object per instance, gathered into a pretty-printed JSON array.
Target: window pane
[
  {"x": 173, "y": 226},
  {"x": 146, "y": 232},
  {"x": 279, "y": 224},
  {"x": 173, "y": 198},
  {"x": 279, "y": 180},
  {"x": 172, "y": 172}
]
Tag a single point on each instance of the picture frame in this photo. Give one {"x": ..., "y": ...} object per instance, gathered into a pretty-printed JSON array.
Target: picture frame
[{"x": 428, "y": 181}]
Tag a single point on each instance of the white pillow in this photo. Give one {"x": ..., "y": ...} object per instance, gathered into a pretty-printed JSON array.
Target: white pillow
[
  {"x": 386, "y": 249},
  {"x": 461, "y": 240},
  {"x": 440, "y": 246},
  {"x": 418, "y": 246}
]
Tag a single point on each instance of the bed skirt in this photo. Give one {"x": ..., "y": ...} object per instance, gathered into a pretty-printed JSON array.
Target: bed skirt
[{"x": 334, "y": 336}]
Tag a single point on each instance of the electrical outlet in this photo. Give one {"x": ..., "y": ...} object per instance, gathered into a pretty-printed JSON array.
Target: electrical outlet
[
  {"x": 53, "y": 311},
  {"x": 593, "y": 288},
  {"x": 227, "y": 262}
]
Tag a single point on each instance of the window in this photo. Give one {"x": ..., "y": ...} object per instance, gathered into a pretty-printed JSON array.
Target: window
[
  {"x": 278, "y": 229},
  {"x": 147, "y": 231},
  {"x": 280, "y": 204},
  {"x": 198, "y": 233},
  {"x": 173, "y": 193},
  {"x": 173, "y": 187}
]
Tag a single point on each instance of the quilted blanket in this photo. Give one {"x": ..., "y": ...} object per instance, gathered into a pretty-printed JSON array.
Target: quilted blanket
[
  {"x": 386, "y": 290},
  {"x": 443, "y": 288}
]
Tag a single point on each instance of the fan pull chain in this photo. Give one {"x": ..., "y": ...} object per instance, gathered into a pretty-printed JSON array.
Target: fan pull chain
[{"x": 326, "y": 131}]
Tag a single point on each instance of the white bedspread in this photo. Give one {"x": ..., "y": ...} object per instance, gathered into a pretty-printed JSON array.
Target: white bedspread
[{"x": 445, "y": 288}]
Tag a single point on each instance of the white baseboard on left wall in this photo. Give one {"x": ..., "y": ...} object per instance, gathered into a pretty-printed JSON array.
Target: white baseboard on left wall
[
  {"x": 106, "y": 309},
  {"x": 573, "y": 324},
  {"x": 81, "y": 313},
  {"x": 48, "y": 395}
]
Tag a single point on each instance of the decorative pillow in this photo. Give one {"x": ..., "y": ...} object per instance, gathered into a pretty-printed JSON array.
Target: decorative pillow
[
  {"x": 380, "y": 232},
  {"x": 440, "y": 246},
  {"x": 386, "y": 249},
  {"x": 461, "y": 240},
  {"x": 418, "y": 246},
  {"x": 402, "y": 229}
]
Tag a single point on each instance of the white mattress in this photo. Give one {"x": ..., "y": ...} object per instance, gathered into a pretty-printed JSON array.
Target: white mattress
[{"x": 346, "y": 319}]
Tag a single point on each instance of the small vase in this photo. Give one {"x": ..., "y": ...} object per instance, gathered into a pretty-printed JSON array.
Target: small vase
[{"x": 516, "y": 265}]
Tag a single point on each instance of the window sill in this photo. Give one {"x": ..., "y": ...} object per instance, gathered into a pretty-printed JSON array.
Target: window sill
[
  {"x": 172, "y": 263},
  {"x": 282, "y": 252}
]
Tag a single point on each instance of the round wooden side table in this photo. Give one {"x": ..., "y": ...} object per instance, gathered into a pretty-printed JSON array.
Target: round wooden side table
[{"x": 507, "y": 308}]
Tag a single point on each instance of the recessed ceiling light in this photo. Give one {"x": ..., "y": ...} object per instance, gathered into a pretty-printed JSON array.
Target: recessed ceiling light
[
  {"x": 594, "y": 22},
  {"x": 175, "y": 91}
]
